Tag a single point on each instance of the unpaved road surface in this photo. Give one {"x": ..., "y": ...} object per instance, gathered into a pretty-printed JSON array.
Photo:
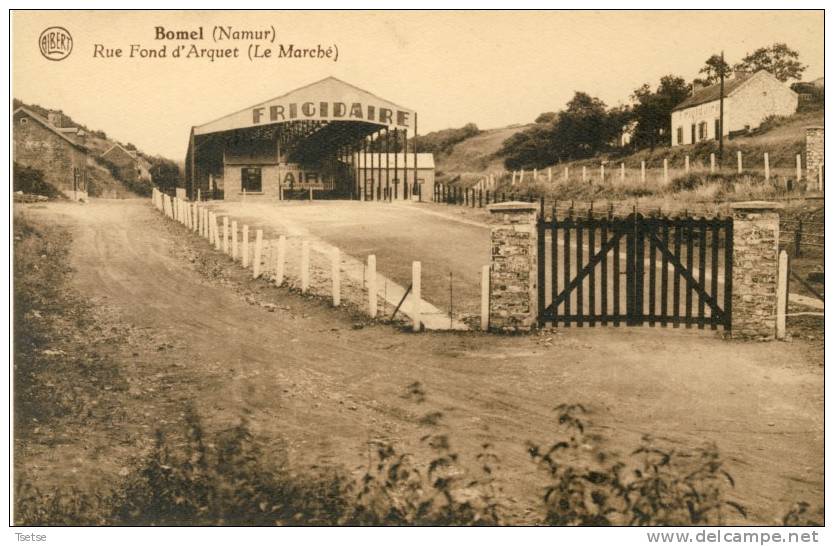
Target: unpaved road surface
[{"x": 307, "y": 374}]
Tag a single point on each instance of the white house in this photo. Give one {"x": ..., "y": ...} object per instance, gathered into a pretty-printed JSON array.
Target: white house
[{"x": 748, "y": 100}]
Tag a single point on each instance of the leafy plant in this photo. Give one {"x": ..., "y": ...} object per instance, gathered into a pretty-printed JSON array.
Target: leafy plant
[
  {"x": 588, "y": 486},
  {"x": 801, "y": 514}
]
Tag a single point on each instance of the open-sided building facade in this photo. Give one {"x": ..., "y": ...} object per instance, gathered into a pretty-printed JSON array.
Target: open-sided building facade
[{"x": 318, "y": 141}]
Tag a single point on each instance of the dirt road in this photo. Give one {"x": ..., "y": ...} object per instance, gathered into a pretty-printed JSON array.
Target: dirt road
[{"x": 306, "y": 374}]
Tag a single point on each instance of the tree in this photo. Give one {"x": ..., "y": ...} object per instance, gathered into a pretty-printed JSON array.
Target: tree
[
  {"x": 712, "y": 69},
  {"x": 546, "y": 117},
  {"x": 165, "y": 173},
  {"x": 584, "y": 128},
  {"x": 778, "y": 59},
  {"x": 653, "y": 110}
]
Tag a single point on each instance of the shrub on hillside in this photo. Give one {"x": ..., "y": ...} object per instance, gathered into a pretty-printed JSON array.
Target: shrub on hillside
[
  {"x": 29, "y": 180},
  {"x": 687, "y": 182}
]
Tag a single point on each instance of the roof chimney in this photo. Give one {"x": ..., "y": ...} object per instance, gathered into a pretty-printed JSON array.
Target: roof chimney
[
  {"x": 56, "y": 118},
  {"x": 739, "y": 73},
  {"x": 697, "y": 86}
]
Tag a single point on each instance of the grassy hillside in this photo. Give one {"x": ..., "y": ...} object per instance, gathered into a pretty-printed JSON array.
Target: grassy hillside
[
  {"x": 476, "y": 155},
  {"x": 781, "y": 138}
]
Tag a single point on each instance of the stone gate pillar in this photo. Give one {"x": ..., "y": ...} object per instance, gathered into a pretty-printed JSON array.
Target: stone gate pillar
[
  {"x": 755, "y": 266},
  {"x": 814, "y": 153},
  {"x": 513, "y": 291}
]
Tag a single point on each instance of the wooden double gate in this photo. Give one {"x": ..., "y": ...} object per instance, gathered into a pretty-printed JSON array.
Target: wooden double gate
[{"x": 635, "y": 270}]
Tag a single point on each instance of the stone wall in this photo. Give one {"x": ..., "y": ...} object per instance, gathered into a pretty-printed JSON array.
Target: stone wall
[
  {"x": 755, "y": 265},
  {"x": 814, "y": 150},
  {"x": 513, "y": 278}
]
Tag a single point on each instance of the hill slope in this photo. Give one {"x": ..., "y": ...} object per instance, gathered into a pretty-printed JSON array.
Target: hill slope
[
  {"x": 782, "y": 138},
  {"x": 102, "y": 181}
]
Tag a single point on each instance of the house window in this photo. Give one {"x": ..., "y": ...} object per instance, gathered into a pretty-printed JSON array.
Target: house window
[
  {"x": 692, "y": 134},
  {"x": 250, "y": 179},
  {"x": 702, "y": 130},
  {"x": 680, "y": 135},
  {"x": 24, "y": 121}
]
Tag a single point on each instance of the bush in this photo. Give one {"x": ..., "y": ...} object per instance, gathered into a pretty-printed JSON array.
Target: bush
[
  {"x": 687, "y": 182},
  {"x": 588, "y": 486},
  {"x": 29, "y": 180}
]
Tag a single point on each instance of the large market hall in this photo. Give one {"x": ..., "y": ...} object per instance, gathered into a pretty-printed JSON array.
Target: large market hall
[{"x": 326, "y": 140}]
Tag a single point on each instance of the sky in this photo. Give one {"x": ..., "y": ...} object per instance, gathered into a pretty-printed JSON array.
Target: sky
[{"x": 489, "y": 68}]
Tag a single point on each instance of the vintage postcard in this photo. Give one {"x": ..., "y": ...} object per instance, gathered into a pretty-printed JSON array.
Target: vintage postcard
[{"x": 419, "y": 268}]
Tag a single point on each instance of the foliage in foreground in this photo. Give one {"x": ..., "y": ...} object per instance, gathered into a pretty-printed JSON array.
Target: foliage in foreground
[{"x": 233, "y": 478}]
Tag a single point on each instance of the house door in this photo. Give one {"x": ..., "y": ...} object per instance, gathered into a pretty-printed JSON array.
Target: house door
[{"x": 693, "y": 134}]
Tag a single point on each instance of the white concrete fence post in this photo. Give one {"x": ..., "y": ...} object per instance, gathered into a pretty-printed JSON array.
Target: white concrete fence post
[
  {"x": 767, "y": 167},
  {"x": 225, "y": 235},
  {"x": 643, "y": 171},
  {"x": 335, "y": 272},
  {"x": 602, "y": 174},
  {"x": 550, "y": 175},
  {"x": 371, "y": 282},
  {"x": 665, "y": 170},
  {"x": 280, "y": 259},
  {"x": 740, "y": 163},
  {"x": 781, "y": 295},
  {"x": 566, "y": 174},
  {"x": 485, "y": 298},
  {"x": 686, "y": 164},
  {"x": 798, "y": 167},
  {"x": 217, "y": 244},
  {"x": 305, "y": 266},
  {"x": 234, "y": 239},
  {"x": 712, "y": 163},
  {"x": 244, "y": 247},
  {"x": 256, "y": 259},
  {"x": 622, "y": 172},
  {"x": 584, "y": 174},
  {"x": 416, "y": 292}
]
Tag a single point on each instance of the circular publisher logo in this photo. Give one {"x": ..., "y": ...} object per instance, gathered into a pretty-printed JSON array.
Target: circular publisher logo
[{"x": 55, "y": 43}]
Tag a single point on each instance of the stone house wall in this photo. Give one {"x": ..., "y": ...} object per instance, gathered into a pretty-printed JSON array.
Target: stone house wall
[{"x": 61, "y": 162}]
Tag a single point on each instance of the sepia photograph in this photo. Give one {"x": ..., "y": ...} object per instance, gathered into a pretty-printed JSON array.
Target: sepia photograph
[{"x": 441, "y": 268}]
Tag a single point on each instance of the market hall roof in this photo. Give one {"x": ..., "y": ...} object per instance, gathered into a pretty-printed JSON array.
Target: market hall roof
[{"x": 327, "y": 100}]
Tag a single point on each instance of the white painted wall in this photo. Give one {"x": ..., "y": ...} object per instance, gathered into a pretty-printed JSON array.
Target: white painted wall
[{"x": 756, "y": 99}]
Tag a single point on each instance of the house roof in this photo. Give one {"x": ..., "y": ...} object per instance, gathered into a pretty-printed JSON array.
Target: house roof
[
  {"x": 713, "y": 92},
  {"x": 424, "y": 161},
  {"x": 45, "y": 123},
  {"x": 122, "y": 148},
  {"x": 330, "y": 90}
]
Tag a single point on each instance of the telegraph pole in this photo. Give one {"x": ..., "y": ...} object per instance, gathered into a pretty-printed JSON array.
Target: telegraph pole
[{"x": 721, "y": 111}]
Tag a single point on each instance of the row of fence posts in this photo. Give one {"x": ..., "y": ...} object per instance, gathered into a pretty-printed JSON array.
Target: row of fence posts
[
  {"x": 518, "y": 176},
  {"x": 204, "y": 222}
]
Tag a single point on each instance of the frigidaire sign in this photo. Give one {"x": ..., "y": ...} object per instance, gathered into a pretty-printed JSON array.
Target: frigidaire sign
[
  {"x": 55, "y": 43},
  {"x": 326, "y": 110}
]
